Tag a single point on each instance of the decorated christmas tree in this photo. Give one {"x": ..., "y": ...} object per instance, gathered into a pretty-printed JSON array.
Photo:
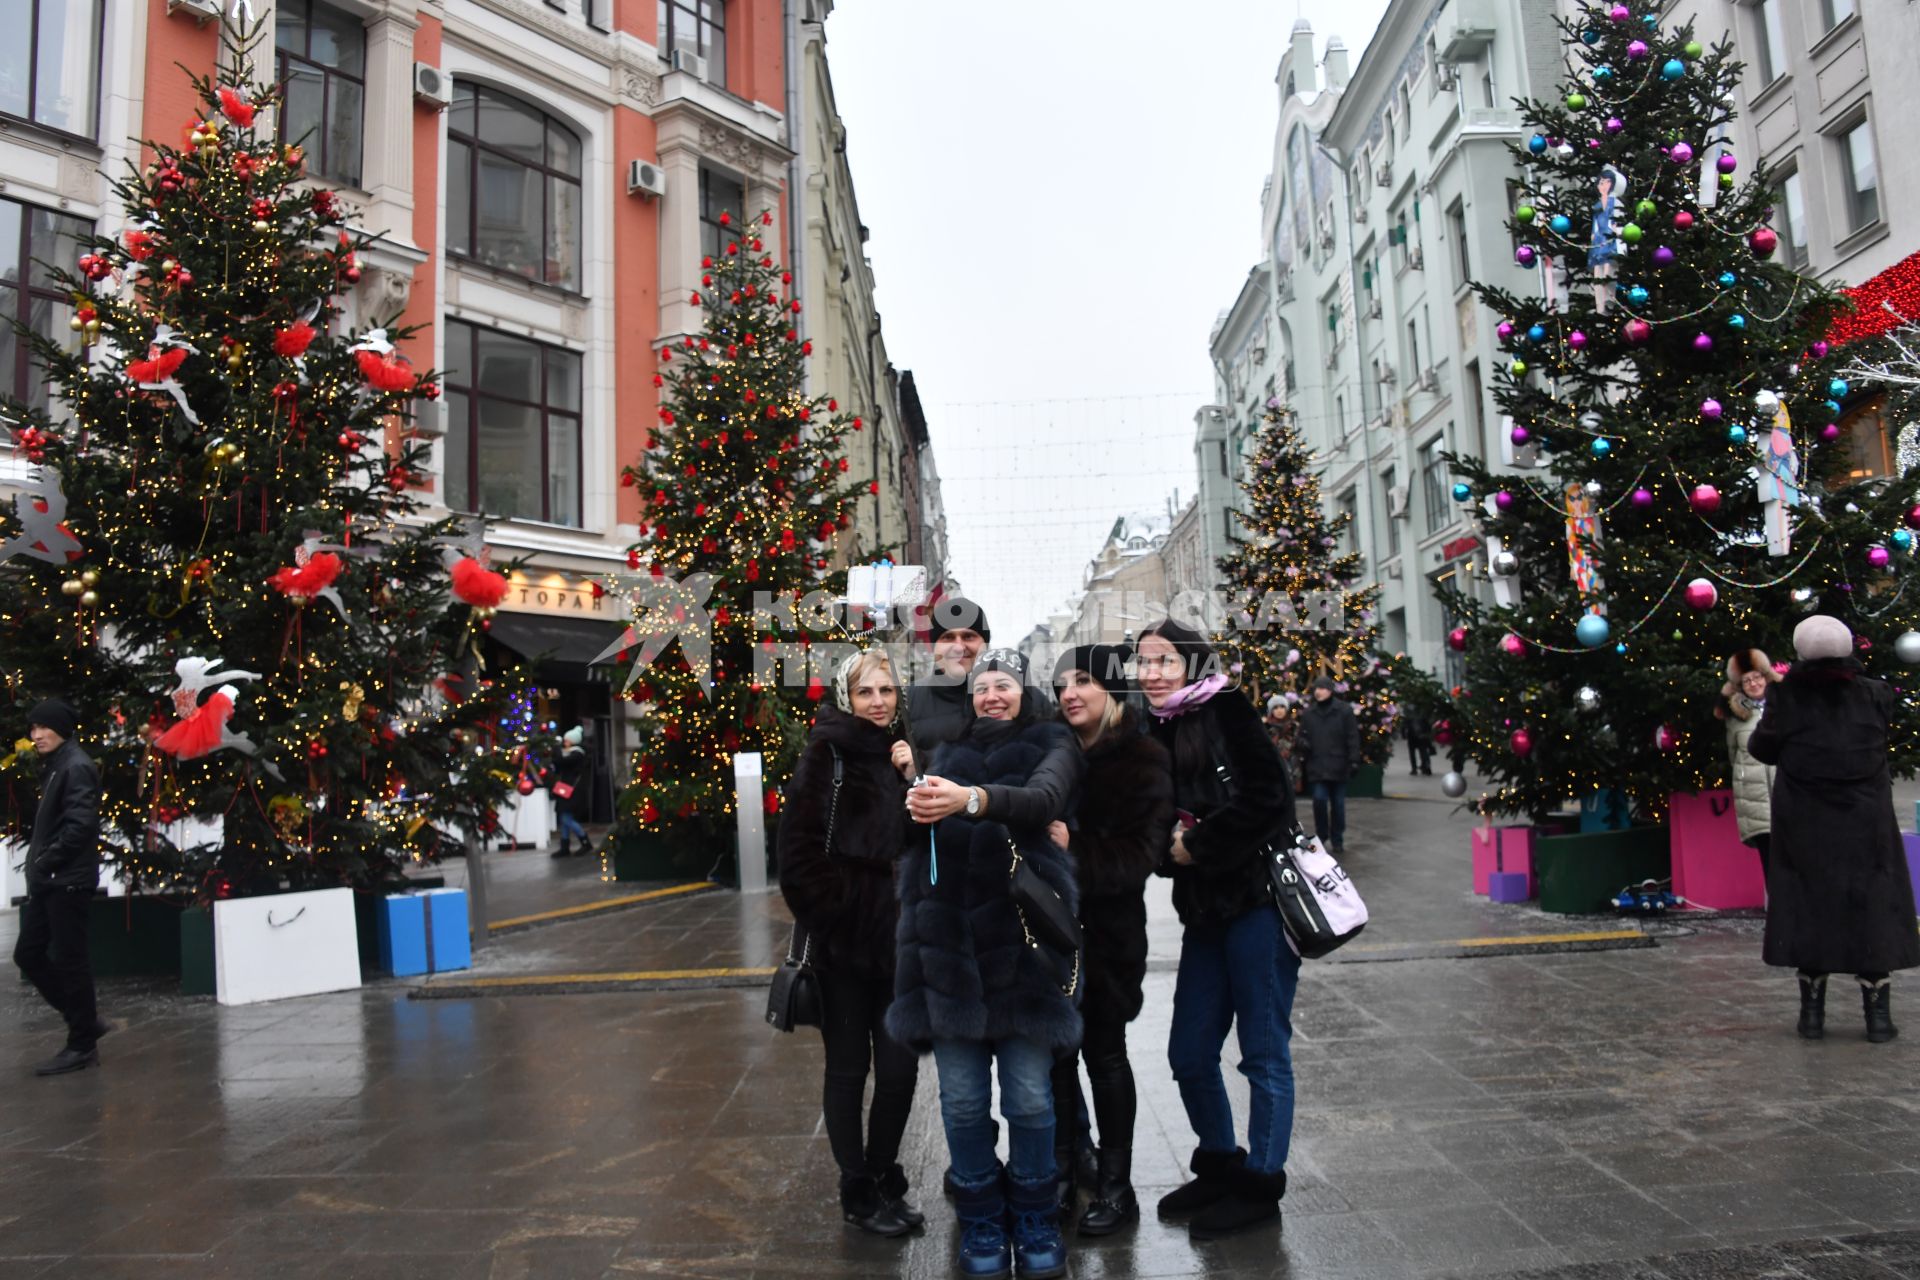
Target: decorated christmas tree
[
  {"x": 1682, "y": 485},
  {"x": 1299, "y": 610},
  {"x": 745, "y": 487},
  {"x": 218, "y": 559}
]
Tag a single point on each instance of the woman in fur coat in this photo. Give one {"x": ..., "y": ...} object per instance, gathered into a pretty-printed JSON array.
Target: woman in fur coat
[
  {"x": 1838, "y": 896},
  {"x": 1120, "y": 836},
  {"x": 1742, "y": 698},
  {"x": 843, "y": 829},
  {"x": 1236, "y": 966},
  {"x": 969, "y": 986}
]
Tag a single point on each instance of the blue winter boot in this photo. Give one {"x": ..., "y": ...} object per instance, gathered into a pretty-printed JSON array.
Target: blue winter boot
[
  {"x": 1038, "y": 1248},
  {"x": 984, "y": 1252}
]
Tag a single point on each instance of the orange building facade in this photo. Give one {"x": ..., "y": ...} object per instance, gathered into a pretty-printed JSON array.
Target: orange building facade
[{"x": 542, "y": 177}]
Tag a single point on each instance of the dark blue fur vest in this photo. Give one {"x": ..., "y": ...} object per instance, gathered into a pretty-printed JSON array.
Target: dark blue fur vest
[{"x": 963, "y": 968}]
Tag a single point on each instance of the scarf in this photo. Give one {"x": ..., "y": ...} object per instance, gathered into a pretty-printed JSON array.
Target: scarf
[{"x": 1188, "y": 696}]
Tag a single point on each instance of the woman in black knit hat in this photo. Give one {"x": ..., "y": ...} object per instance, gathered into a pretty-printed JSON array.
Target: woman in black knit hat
[{"x": 1120, "y": 836}]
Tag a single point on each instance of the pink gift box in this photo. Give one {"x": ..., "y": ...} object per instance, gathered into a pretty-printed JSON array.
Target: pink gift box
[
  {"x": 1711, "y": 868},
  {"x": 1502, "y": 849}
]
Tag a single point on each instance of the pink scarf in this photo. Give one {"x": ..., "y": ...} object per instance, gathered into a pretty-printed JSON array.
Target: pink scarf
[{"x": 1188, "y": 696}]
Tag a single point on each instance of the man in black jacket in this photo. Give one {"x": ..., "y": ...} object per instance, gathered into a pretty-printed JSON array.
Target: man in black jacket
[
  {"x": 63, "y": 869},
  {"x": 1330, "y": 744},
  {"x": 940, "y": 707}
]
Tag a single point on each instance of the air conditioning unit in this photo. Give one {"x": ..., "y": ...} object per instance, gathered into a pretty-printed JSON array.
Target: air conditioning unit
[
  {"x": 1429, "y": 380},
  {"x": 1373, "y": 309},
  {"x": 1333, "y": 358},
  {"x": 432, "y": 86},
  {"x": 1395, "y": 570},
  {"x": 1397, "y": 501},
  {"x": 1387, "y": 374},
  {"x": 691, "y": 63},
  {"x": 1384, "y": 174},
  {"x": 1360, "y": 213},
  {"x": 1445, "y": 76},
  {"x": 644, "y": 178},
  {"x": 1416, "y": 259},
  {"x": 202, "y": 11}
]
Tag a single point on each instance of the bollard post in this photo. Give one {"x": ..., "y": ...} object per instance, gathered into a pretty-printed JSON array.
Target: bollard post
[
  {"x": 747, "y": 807},
  {"x": 476, "y": 889}
]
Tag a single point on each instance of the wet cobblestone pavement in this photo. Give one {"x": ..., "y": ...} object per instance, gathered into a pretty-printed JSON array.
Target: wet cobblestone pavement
[{"x": 1641, "y": 1114}]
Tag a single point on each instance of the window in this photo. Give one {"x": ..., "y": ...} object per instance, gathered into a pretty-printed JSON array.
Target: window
[
  {"x": 1869, "y": 454},
  {"x": 1771, "y": 41},
  {"x": 1413, "y": 351},
  {"x": 1790, "y": 219},
  {"x": 1347, "y": 516},
  {"x": 1488, "y": 95},
  {"x": 1435, "y": 489},
  {"x": 1340, "y": 416},
  {"x": 513, "y": 187},
  {"x": 1457, "y": 232},
  {"x": 50, "y": 68},
  {"x": 513, "y": 426},
  {"x": 1862, "y": 177},
  {"x": 719, "y": 194},
  {"x": 1387, "y": 487},
  {"x": 31, "y": 238},
  {"x": 1836, "y": 12},
  {"x": 321, "y": 57},
  {"x": 1405, "y": 120},
  {"x": 1478, "y": 406},
  {"x": 697, "y": 27}
]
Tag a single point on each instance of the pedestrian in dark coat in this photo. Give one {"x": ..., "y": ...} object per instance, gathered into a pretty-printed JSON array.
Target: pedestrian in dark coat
[
  {"x": 63, "y": 870},
  {"x": 1120, "y": 835},
  {"x": 842, "y": 830},
  {"x": 1236, "y": 967},
  {"x": 1330, "y": 750},
  {"x": 969, "y": 987},
  {"x": 1419, "y": 734},
  {"x": 570, "y": 777},
  {"x": 940, "y": 707},
  {"x": 1838, "y": 896}
]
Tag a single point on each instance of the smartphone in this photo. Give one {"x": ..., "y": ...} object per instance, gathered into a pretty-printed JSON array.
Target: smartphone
[{"x": 1187, "y": 821}]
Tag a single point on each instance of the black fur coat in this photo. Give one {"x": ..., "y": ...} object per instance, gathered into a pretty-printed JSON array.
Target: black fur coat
[
  {"x": 964, "y": 969},
  {"x": 1123, "y": 824},
  {"x": 843, "y": 897}
]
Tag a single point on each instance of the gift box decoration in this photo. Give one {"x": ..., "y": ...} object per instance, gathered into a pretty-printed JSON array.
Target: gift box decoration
[
  {"x": 1510, "y": 886},
  {"x": 1711, "y": 868},
  {"x": 1501, "y": 849},
  {"x": 424, "y": 932}
]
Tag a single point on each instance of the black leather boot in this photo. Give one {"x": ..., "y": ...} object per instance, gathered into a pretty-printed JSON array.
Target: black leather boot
[
  {"x": 1878, "y": 998},
  {"x": 1813, "y": 1006},
  {"x": 893, "y": 1188},
  {"x": 1254, "y": 1200},
  {"x": 1212, "y": 1180},
  {"x": 862, "y": 1205},
  {"x": 1113, "y": 1205},
  {"x": 1066, "y": 1167}
]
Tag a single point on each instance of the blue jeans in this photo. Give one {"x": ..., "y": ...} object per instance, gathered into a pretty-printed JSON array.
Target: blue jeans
[
  {"x": 1244, "y": 974},
  {"x": 570, "y": 828},
  {"x": 1330, "y": 812},
  {"x": 1026, "y": 1100}
]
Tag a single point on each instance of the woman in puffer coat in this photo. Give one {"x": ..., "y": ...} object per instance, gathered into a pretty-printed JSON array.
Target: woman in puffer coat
[
  {"x": 840, "y": 837},
  {"x": 1838, "y": 896},
  {"x": 1742, "y": 698},
  {"x": 1119, "y": 837},
  {"x": 970, "y": 987}
]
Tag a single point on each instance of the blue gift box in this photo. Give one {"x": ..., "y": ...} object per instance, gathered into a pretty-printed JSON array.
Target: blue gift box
[{"x": 424, "y": 932}]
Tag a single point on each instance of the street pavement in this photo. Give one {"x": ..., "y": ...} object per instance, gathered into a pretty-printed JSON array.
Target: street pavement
[{"x": 1478, "y": 1096}]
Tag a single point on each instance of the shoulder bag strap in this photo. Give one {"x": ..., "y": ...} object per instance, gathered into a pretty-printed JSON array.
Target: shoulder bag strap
[{"x": 833, "y": 809}]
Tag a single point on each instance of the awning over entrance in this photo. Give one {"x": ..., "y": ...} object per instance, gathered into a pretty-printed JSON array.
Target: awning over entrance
[{"x": 560, "y": 648}]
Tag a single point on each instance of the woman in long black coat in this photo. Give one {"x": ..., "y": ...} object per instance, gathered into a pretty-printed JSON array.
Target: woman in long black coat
[
  {"x": 839, "y": 840},
  {"x": 1119, "y": 837},
  {"x": 1838, "y": 896}
]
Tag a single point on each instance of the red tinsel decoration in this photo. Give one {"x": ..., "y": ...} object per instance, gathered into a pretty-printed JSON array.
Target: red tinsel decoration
[
  {"x": 199, "y": 733},
  {"x": 293, "y": 341},
  {"x": 301, "y": 583},
  {"x": 1885, "y": 302},
  {"x": 236, "y": 108},
  {"x": 158, "y": 366},
  {"x": 477, "y": 585},
  {"x": 388, "y": 372}
]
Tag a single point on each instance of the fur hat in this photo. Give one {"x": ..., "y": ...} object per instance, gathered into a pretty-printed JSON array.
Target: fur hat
[
  {"x": 1739, "y": 664},
  {"x": 1822, "y": 636}
]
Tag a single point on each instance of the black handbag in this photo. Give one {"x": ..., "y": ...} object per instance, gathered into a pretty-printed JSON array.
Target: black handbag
[
  {"x": 794, "y": 998},
  {"x": 1045, "y": 921}
]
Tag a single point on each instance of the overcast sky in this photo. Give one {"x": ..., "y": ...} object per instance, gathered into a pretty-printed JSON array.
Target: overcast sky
[{"x": 1062, "y": 195}]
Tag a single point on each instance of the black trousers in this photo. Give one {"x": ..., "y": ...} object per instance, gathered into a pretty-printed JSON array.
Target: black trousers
[
  {"x": 52, "y": 953},
  {"x": 1115, "y": 1101},
  {"x": 853, "y": 1028},
  {"x": 1763, "y": 845},
  {"x": 1420, "y": 756}
]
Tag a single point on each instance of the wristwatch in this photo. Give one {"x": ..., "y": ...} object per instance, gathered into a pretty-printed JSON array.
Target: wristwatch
[{"x": 973, "y": 801}]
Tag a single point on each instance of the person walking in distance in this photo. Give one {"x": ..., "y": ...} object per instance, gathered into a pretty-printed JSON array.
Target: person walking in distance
[
  {"x": 1120, "y": 836},
  {"x": 842, "y": 831},
  {"x": 1749, "y": 675},
  {"x": 969, "y": 987},
  {"x": 1419, "y": 734},
  {"x": 1236, "y": 966},
  {"x": 940, "y": 706},
  {"x": 1838, "y": 896},
  {"x": 569, "y": 791},
  {"x": 1330, "y": 747},
  {"x": 63, "y": 870}
]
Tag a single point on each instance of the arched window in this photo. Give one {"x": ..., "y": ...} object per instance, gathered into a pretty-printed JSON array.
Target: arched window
[{"x": 513, "y": 187}]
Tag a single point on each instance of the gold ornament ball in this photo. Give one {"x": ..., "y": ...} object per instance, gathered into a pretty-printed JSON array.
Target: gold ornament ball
[
  {"x": 76, "y": 324},
  {"x": 72, "y": 587},
  {"x": 90, "y": 578},
  {"x": 261, "y": 224},
  {"x": 88, "y": 599},
  {"x": 93, "y": 328}
]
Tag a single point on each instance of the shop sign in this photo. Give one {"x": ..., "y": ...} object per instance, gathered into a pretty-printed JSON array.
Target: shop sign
[{"x": 556, "y": 594}]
